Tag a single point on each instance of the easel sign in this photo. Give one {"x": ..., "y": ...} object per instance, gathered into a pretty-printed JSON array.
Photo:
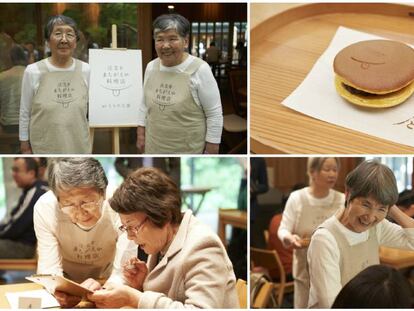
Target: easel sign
[{"x": 115, "y": 87}]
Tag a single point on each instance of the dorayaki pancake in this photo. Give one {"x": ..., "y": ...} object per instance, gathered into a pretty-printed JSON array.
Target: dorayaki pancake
[{"x": 375, "y": 73}]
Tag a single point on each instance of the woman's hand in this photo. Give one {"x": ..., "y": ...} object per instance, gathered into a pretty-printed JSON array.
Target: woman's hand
[
  {"x": 115, "y": 296},
  {"x": 25, "y": 147},
  {"x": 91, "y": 284},
  {"x": 141, "y": 138},
  {"x": 66, "y": 300},
  {"x": 135, "y": 271},
  {"x": 293, "y": 240},
  {"x": 211, "y": 148}
]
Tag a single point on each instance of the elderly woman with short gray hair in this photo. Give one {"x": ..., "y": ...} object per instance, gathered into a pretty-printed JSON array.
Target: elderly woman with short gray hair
[
  {"x": 181, "y": 109},
  {"x": 54, "y": 97},
  {"x": 76, "y": 229},
  {"x": 349, "y": 241},
  {"x": 187, "y": 267}
]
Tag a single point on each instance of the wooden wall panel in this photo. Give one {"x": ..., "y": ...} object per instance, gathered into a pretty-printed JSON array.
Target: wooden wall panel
[{"x": 290, "y": 171}]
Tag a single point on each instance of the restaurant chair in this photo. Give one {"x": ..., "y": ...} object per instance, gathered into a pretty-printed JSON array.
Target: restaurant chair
[
  {"x": 233, "y": 125},
  {"x": 262, "y": 298},
  {"x": 241, "y": 288},
  {"x": 269, "y": 259}
]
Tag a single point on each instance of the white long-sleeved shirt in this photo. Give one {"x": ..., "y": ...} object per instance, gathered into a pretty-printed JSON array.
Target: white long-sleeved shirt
[
  {"x": 205, "y": 93},
  {"x": 324, "y": 257},
  {"x": 30, "y": 85},
  {"x": 294, "y": 207}
]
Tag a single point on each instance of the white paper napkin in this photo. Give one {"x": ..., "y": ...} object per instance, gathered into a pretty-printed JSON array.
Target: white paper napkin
[{"x": 316, "y": 96}]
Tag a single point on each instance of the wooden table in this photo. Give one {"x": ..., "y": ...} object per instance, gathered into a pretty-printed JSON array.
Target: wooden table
[
  {"x": 286, "y": 41},
  {"x": 4, "y": 304},
  {"x": 188, "y": 192},
  {"x": 397, "y": 258},
  {"x": 21, "y": 287},
  {"x": 231, "y": 217}
]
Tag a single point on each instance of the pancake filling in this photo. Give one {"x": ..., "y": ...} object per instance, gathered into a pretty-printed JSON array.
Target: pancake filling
[{"x": 355, "y": 91}]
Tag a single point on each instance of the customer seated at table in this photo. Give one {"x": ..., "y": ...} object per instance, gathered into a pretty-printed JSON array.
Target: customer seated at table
[
  {"x": 188, "y": 266},
  {"x": 376, "y": 287},
  {"x": 406, "y": 202},
  {"x": 17, "y": 236},
  {"x": 285, "y": 254}
]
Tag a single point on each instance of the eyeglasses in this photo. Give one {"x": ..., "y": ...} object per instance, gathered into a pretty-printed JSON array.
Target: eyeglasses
[
  {"x": 171, "y": 41},
  {"x": 88, "y": 207},
  {"x": 133, "y": 230},
  {"x": 70, "y": 36}
]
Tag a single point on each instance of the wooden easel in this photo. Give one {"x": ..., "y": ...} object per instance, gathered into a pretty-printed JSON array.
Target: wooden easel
[{"x": 115, "y": 129}]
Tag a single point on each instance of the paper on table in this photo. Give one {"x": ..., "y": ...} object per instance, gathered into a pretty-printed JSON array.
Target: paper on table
[
  {"x": 316, "y": 96},
  {"x": 48, "y": 301}
]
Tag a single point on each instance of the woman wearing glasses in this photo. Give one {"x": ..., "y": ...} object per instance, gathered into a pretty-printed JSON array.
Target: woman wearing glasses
[
  {"x": 54, "y": 97},
  {"x": 181, "y": 109},
  {"x": 77, "y": 231},
  {"x": 349, "y": 241},
  {"x": 187, "y": 265}
]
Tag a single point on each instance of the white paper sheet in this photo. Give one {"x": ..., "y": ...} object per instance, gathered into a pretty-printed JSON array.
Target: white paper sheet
[
  {"x": 316, "y": 96},
  {"x": 48, "y": 301}
]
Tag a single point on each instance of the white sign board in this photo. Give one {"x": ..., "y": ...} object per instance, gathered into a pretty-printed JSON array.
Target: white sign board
[{"x": 115, "y": 87}]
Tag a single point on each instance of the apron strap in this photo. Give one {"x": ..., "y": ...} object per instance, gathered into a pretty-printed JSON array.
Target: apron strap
[
  {"x": 78, "y": 65},
  {"x": 42, "y": 66},
  {"x": 193, "y": 67}
]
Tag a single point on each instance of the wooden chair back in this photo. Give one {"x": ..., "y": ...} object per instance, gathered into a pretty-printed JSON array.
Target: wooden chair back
[
  {"x": 269, "y": 259},
  {"x": 241, "y": 288}
]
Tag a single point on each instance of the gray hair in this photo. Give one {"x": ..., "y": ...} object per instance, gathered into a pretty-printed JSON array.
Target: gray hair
[
  {"x": 176, "y": 22},
  {"x": 372, "y": 179},
  {"x": 68, "y": 173},
  {"x": 60, "y": 20}
]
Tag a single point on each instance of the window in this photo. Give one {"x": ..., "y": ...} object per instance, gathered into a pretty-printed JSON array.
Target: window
[
  {"x": 402, "y": 168},
  {"x": 223, "y": 175}
]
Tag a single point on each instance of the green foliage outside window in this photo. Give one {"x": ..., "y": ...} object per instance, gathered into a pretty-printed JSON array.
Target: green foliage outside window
[{"x": 222, "y": 174}]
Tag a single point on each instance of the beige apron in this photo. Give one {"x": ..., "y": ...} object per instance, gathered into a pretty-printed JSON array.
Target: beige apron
[
  {"x": 175, "y": 123},
  {"x": 87, "y": 254},
  {"x": 354, "y": 259},
  {"x": 58, "y": 122},
  {"x": 309, "y": 219}
]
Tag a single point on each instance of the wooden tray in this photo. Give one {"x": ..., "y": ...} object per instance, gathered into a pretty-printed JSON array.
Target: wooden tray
[{"x": 283, "y": 50}]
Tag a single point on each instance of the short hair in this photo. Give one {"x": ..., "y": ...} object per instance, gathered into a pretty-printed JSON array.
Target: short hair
[
  {"x": 371, "y": 178},
  {"x": 68, "y": 173},
  {"x": 18, "y": 56},
  {"x": 31, "y": 164},
  {"x": 176, "y": 22},
  {"x": 405, "y": 199},
  {"x": 377, "y": 286},
  {"x": 60, "y": 20},
  {"x": 150, "y": 191},
  {"x": 315, "y": 163}
]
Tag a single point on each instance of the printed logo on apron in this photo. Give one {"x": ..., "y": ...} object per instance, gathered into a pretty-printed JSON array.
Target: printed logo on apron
[
  {"x": 164, "y": 95},
  {"x": 88, "y": 253},
  {"x": 63, "y": 93}
]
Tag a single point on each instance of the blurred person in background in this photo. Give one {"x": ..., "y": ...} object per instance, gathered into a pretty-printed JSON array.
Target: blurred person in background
[
  {"x": 305, "y": 210},
  {"x": 17, "y": 236},
  {"x": 10, "y": 90}
]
